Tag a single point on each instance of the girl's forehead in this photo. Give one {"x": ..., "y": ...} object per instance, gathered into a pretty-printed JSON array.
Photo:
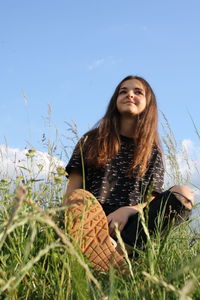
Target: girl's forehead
[{"x": 132, "y": 83}]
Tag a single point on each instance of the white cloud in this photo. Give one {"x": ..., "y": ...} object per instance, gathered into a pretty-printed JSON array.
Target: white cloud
[
  {"x": 188, "y": 160},
  {"x": 15, "y": 162},
  {"x": 110, "y": 60},
  {"x": 96, "y": 64}
]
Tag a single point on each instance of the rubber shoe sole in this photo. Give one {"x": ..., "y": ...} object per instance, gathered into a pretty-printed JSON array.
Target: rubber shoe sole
[{"x": 87, "y": 225}]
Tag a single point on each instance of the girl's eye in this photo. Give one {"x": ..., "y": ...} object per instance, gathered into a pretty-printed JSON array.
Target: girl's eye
[
  {"x": 122, "y": 92},
  {"x": 138, "y": 92}
]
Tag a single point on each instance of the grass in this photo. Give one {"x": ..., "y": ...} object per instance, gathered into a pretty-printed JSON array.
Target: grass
[{"x": 39, "y": 261}]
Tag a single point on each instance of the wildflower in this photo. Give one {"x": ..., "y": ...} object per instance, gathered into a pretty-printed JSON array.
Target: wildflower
[
  {"x": 31, "y": 153},
  {"x": 5, "y": 181},
  {"x": 58, "y": 179},
  {"x": 61, "y": 171}
]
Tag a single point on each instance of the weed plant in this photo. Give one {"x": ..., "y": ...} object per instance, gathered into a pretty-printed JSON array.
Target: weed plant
[{"x": 39, "y": 261}]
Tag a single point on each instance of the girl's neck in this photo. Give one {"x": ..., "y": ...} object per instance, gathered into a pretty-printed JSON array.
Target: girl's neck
[{"x": 127, "y": 127}]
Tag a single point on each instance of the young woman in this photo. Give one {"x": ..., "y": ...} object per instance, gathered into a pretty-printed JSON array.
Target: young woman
[{"x": 120, "y": 164}]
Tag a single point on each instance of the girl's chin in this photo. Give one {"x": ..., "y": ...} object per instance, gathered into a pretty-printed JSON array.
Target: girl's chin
[{"x": 129, "y": 114}]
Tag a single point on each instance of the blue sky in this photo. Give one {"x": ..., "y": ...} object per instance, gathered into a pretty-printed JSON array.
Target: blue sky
[{"x": 72, "y": 54}]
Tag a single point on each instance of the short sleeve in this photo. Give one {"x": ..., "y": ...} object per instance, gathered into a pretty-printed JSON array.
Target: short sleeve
[
  {"x": 154, "y": 178},
  {"x": 157, "y": 172},
  {"x": 74, "y": 163}
]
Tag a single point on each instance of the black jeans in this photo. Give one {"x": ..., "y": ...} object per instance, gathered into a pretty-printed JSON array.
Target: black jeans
[{"x": 161, "y": 211}]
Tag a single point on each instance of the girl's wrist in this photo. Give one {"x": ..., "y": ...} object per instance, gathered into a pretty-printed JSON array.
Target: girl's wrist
[{"x": 131, "y": 210}]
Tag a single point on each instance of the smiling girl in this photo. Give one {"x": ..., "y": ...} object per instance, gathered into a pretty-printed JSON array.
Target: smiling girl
[{"x": 120, "y": 165}]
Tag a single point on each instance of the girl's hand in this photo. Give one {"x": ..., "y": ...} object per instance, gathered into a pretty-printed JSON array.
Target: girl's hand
[{"x": 119, "y": 216}]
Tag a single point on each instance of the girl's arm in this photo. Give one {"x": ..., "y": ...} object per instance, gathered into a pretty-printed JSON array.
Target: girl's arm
[
  {"x": 142, "y": 205},
  {"x": 75, "y": 181}
]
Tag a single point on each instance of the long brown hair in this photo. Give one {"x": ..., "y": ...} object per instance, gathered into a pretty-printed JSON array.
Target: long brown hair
[{"x": 103, "y": 142}]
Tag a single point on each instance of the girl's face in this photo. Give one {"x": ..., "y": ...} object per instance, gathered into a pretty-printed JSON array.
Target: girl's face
[{"x": 131, "y": 99}]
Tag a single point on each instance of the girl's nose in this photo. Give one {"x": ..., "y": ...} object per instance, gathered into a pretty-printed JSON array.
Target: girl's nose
[{"x": 130, "y": 94}]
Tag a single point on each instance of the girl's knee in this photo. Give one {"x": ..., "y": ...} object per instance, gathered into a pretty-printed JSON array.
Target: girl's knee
[{"x": 184, "y": 194}]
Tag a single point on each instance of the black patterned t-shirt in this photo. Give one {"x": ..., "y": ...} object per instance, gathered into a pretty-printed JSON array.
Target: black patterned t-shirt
[{"x": 112, "y": 184}]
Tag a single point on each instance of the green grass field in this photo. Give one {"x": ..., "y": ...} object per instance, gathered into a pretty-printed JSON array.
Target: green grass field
[{"x": 39, "y": 261}]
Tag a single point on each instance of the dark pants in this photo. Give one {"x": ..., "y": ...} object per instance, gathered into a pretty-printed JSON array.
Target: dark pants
[{"x": 161, "y": 212}]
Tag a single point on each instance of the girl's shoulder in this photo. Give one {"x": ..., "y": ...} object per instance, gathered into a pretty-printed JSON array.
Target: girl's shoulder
[
  {"x": 91, "y": 133},
  {"x": 87, "y": 139},
  {"x": 88, "y": 135}
]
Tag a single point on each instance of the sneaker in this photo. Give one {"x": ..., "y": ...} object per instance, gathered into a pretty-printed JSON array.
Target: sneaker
[{"x": 88, "y": 226}]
